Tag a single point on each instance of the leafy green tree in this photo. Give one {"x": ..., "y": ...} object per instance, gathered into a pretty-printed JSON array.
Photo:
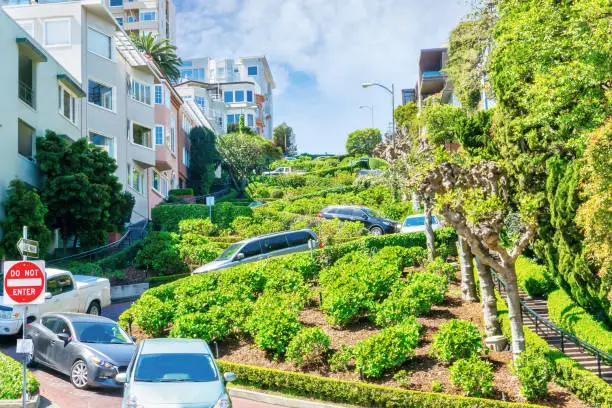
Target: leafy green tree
[
  {"x": 79, "y": 188},
  {"x": 204, "y": 158},
  {"x": 284, "y": 137},
  {"x": 23, "y": 207},
  {"x": 162, "y": 51},
  {"x": 363, "y": 141},
  {"x": 243, "y": 154}
]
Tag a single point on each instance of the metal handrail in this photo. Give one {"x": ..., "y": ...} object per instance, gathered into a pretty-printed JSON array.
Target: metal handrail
[
  {"x": 536, "y": 318},
  {"x": 112, "y": 245}
]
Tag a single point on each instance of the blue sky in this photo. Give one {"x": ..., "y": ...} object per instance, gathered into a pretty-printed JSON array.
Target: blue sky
[{"x": 320, "y": 51}]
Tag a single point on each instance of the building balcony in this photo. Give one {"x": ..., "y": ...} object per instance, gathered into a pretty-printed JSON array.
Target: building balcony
[
  {"x": 26, "y": 94},
  {"x": 134, "y": 5},
  {"x": 141, "y": 25},
  {"x": 143, "y": 155},
  {"x": 432, "y": 82},
  {"x": 163, "y": 157}
]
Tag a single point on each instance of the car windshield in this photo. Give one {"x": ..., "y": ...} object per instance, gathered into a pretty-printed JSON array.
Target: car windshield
[
  {"x": 95, "y": 332},
  {"x": 229, "y": 252},
  {"x": 371, "y": 213},
  {"x": 174, "y": 367},
  {"x": 417, "y": 221}
]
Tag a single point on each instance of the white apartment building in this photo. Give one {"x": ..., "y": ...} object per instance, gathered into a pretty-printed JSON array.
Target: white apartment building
[
  {"x": 37, "y": 94},
  {"x": 145, "y": 16},
  {"x": 118, "y": 113},
  {"x": 243, "y": 84}
]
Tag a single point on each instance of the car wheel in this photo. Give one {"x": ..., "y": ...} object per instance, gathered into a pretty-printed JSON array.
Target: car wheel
[
  {"x": 78, "y": 374},
  {"x": 376, "y": 231},
  {"x": 94, "y": 309}
]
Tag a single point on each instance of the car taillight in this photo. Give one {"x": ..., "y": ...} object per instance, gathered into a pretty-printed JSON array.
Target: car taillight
[
  {"x": 321, "y": 244},
  {"x": 319, "y": 215}
]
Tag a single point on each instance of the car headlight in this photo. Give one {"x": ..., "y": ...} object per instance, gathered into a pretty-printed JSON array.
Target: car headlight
[
  {"x": 6, "y": 314},
  {"x": 224, "y": 402},
  {"x": 103, "y": 363}
]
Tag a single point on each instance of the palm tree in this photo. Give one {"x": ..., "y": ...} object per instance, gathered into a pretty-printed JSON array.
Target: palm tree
[{"x": 162, "y": 51}]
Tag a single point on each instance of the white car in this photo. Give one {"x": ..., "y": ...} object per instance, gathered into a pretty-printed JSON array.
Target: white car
[
  {"x": 65, "y": 293},
  {"x": 415, "y": 223}
]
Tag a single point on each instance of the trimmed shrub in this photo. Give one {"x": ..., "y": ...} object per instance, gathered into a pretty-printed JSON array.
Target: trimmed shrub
[
  {"x": 431, "y": 285},
  {"x": 181, "y": 192},
  {"x": 394, "y": 254},
  {"x": 274, "y": 322},
  {"x": 565, "y": 313},
  {"x": 11, "y": 378},
  {"x": 155, "y": 281},
  {"x": 167, "y": 217},
  {"x": 457, "y": 339},
  {"x": 209, "y": 326},
  {"x": 199, "y": 226},
  {"x": 340, "y": 359},
  {"x": 196, "y": 250},
  {"x": 344, "y": 299},
  {"x": 441, "y": 267},
  {"x": 302, "y": 262},
  {"x": 309, "y": 347},
  {"x": 389, "y": 348},
  {"x": 415, "y": 256},
  {"x": 473, "y": 375},
  {"x": 534, "y": 371},
  {"x": 159, "y": 254},
  {"x": 436, "y": 386},
  {"x": 533, "y": 278},
  {"x": 151, "y": 314},
  {"x": 377, "y": 164},
  {"x": 351, "y": 392}
]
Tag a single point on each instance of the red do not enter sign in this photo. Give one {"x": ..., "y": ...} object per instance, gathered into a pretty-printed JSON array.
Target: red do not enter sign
[{"x": 24, "y": 282}]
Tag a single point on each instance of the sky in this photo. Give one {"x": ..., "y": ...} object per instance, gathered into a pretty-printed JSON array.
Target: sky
[{"x": 320, "y": 51}]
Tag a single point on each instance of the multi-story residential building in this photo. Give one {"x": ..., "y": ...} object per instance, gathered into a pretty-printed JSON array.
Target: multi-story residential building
[
  {"x": 38, "y": 93},
  {"x": 408, "y": 95},
  {"x": 118, "y": 114},
  {"x": 207, "y": 99},
  {"x": 145, "y": 16},
  {"x": 431, "y": 78},
  {"x": 244, "y": 85}
]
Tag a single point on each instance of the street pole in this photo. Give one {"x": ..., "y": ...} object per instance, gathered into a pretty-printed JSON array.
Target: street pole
[
  {"x": 24, "y": 397},
  {"x": 393, "y": 113},
  {"x": 371, "y": 108}
]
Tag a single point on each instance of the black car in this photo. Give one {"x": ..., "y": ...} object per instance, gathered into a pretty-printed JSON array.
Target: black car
[
  {"x": 373, "y": 222},
  {"x": 92, "y": 350}
]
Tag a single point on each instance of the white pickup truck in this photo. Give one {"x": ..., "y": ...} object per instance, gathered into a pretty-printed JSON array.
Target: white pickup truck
[
  {"x": 282, "y": 170},
  {"x": 65, "y": 293}
]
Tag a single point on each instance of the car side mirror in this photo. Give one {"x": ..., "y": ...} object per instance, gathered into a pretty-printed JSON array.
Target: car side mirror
[
  {"x": 240, "y": 256},
  {"x": 121, "y": 378},
  {"x": 229, "y": 377},
  {"x": 48, "y": 295},
  {"x": 133, "y": 339},
  {"x": 364, "y": 217},
  {"x": 65, "y": 337}
]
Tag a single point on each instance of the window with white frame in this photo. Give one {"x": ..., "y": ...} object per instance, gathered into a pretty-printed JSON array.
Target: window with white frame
[
  {"x": 159, "y": 94},
  {"x": 141, "y": 135},
  {"x": 27, "y": 26},
  {"x": 103, "y": 142},
  {"x": 99, "y": 43},
  {"x": 156, "y": 181},
  {"x": 100, "y": 94},
  {"x": 135, "y": 178},
  {"x": 57, "y": 32},
  {"x": 249, "y": 95},
  {"x": 159, "y": 135},
  {"x": 164, "y": 189},
  {"x": 172, "y": 134},
  {"x": 25, "y": 143},
  {"x": 140, "y": 92},
  {"x": 185, "y": 156},
  {"x": 67, "y": 104},
  {"x": 148, "y": 15}
]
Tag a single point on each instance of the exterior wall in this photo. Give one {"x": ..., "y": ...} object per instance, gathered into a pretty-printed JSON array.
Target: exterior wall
[
  {"x": 84, "y": 65},
  {"x": 45, "y": 115},
  {"x": 162, "y": 26}
]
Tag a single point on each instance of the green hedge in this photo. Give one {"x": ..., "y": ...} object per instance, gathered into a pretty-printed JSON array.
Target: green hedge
[
  {"x": 11, "y": 377},
  {"x": 567, "y": 373},
  {"x": 323, "y": 193},
  {"x": 167, "y": 217},
  {"x": 565, "y": 313},
  {"x": 350, "y": 392},
  {"x": 533, "y": 278},
  {"x": 161, "y": 280},
  {"x": 121, "y": 259},
  {"x": 181, "y": 192}
]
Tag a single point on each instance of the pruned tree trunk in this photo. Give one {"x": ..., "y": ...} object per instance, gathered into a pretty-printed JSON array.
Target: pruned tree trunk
[
  {"x": 488, "y": 300},
  {"x": 515, "y": 314},
  {"x": 466, "y": 259},
  {"x": 429, "y": 234}
]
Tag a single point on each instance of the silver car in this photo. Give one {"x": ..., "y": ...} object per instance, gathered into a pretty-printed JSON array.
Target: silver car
[
  {"x": 416, "y": 223},
  {"x": 174, "y": 373},
  {"x": 261, "y": 247},
  {"x": 90, "y": 349}
]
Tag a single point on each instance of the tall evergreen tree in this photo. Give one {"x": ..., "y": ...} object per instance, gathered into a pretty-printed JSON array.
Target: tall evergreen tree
[{"x": 204, "y": 158}]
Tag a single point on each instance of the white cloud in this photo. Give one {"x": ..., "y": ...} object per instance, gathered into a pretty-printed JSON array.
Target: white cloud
[{"x": 341, "y": 43}]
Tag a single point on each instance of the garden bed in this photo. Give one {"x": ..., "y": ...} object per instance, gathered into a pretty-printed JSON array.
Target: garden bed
[{"x": 424, "y": 368}]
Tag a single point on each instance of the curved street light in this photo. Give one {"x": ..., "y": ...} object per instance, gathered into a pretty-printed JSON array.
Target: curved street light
[
  {"x": 392, "y": 92},
  {"x": 371, "y": 108}
]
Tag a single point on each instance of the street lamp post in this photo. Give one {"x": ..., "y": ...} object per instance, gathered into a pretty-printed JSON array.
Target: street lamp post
[
  {"x": 392, "y": 92},
  {"x": 371, "y": 108}
]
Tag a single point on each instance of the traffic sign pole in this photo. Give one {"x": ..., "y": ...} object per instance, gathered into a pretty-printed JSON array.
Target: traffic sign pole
[{"x": 24, "y": 397}]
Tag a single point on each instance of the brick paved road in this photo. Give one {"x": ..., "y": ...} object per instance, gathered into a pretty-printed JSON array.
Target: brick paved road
[{"x": 56, "y": 388}]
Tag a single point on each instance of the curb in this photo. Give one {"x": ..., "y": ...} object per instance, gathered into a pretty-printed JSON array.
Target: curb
[{"x": 276, "y": 399}]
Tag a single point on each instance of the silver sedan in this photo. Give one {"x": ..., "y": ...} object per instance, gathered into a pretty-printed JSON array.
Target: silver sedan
[{"x": 92, "y": 350}]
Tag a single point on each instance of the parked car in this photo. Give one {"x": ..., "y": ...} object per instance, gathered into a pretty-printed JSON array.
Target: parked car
[
  {"x": 91, "y": 350},
  {"x": 174, "y": 373},
  {"x": 364, "y": 172},
  {"x": 414, "y": 223},
  {"x": 261, "y": 247},
  {"x": 375, "y": 223},
  {"x": 65, "y": 293},
  {"x": 282, "y": 170},
  {"x": 256, "y": 203}
]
